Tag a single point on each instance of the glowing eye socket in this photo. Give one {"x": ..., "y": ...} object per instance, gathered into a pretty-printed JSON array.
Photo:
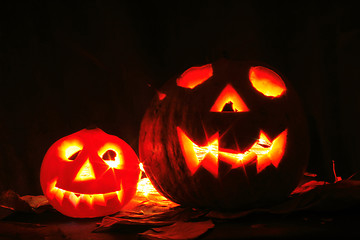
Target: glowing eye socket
[
  {"x": 195, "y": 76},
  {"x": 109, "y": 155},
  {"x": 266, "y": 81},
  {"x": 112, "y": 159},
  {"x": 69, "y": 151},
  {"x": 75, "y": 155}
]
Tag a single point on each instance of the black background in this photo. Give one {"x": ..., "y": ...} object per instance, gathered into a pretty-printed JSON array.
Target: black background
[{"x": 66, "y": 66}]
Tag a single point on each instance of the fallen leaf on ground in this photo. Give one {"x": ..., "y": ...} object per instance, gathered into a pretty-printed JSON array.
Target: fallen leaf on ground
[
  {"x": 37, "y": 203},
  {"x": 313, "y": 195},
  {"x": 11, "y": 202},
  {"x": 5, "y": 211},
  {"x": 147, "y": 200},
  {"x": 17, "y": 230},
  {"x": 135, "y": 221},
  {"x": 179, "y": 230}
]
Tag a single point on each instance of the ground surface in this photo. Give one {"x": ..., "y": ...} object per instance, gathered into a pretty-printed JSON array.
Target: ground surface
[{"x": 53, "y": 225}]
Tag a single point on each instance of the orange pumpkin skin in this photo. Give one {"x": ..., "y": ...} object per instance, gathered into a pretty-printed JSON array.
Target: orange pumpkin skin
[
  {"x": 89, "y": 174},
  {"x": 228, "y": 135}
]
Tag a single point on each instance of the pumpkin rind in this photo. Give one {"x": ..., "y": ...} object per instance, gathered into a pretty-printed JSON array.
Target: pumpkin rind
[{"x": 189, "y": 109}]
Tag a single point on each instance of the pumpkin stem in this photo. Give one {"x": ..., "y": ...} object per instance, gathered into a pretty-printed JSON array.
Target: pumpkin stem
[{"x": 91, "y": 126}]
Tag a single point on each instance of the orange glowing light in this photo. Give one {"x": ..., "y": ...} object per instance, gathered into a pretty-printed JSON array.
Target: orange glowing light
[
  {"x": 277, "y": 148},
  {"x": 89, "y": 174},
  {"x": 76, "y": 198},
  {"x": 85, "y": 173},
  {"x": 161, "y": 95},
  {"x": 266, "y": 81},
  {"x": 117, "y": 161},
  {"x": 195, "y": 76},
  {"x": 274, "y": 154},
  {"x": 195, "y": 155},
  {"x": 141, "y": 166},
  {"x": 229, "y": 95},
  {"x": 68, "y": 148},
  {"x": 263, "y": 150},
  {"x": 145, "y": 188}
]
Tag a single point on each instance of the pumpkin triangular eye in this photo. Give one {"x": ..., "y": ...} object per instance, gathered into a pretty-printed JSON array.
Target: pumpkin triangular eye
[
  {"x": 229, "y": 101},
  {"x": 266, "y": 81}
]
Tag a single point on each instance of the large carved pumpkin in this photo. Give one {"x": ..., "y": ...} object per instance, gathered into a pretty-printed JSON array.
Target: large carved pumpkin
[
  {"x": 89, "y": 174},
  {"x": 226, "y": 135}
]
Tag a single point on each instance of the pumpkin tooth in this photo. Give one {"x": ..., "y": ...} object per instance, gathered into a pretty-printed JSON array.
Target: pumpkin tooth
[
  {"x": 99, "y": 199},
  {"x": 74, "y": 199},
  {"x": 273, "y": 154},
  {"x": 88, "y": 198},
  {"x": 59, "y": 195},
  {"x": 195, "y": 155},
  {"x": 267, "y": 152},
  {"x": 263, "y": 161},
  {"x": 120, "y": 195},
  {"x": 277, "y": 148},
  {"x": 188, "y": 150},
  {"x": 52, "y": 189}
]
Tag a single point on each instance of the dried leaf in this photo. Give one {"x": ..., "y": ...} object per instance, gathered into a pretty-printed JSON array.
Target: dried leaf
[
  {"x": 17, "y": 230},
  {"x": 12, "y": 200},
  {"x": 147, "y": 209},
  {"x": 179, "y": 230},
  {"x": 343, "y": 194},
  {"x": 35, "y": 201},
  {"x": 147, "y": 200},
  {"x": 5, "y": 211},
  {"x": 135, "y": 221},
  {"x": 38, "y": 204},
  {"x": 128, "y": 224},
  {"x": 9, "y": 200},
  {"x": 308, "y": 186},
  {"x": 313, "y": 195}
]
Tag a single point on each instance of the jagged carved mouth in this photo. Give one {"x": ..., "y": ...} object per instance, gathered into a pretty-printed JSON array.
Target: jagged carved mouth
[
  {"x": 264, "y": 151},
  {"x": 76, "y": 198}
]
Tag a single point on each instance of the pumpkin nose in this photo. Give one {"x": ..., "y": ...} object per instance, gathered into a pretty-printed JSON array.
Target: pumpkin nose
[
  {"x": 229, "y": 101},
  {"x": 85, "y": 173}
]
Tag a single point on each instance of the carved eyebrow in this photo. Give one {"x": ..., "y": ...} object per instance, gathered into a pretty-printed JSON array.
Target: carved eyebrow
[
  {"x": 195, "y": 76},
  {"x": 266, "y": 81}
]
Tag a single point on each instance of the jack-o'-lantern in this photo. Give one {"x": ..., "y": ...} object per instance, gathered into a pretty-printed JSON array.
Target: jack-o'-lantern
[
  {"x": 227, "y": 135},
  {"x": 89, "y": 174}
]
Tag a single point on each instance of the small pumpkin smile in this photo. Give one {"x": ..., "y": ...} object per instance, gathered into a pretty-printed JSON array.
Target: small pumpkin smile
[
  {"x": 75, "y": 198},
  {"x": 264, "y": 151}
]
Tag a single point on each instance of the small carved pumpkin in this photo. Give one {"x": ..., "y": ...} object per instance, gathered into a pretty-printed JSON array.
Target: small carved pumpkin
[
  {"x": 89, "y": 174},
  {"x": 226, "y": 135}
]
